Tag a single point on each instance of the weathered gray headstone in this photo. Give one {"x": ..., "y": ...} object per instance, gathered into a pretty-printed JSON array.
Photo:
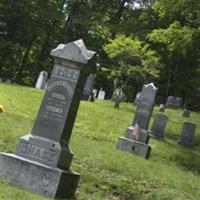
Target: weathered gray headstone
[
  {"x": 145, "y": 107},
  {"x": 131, "y": 143},
  {"x": 171, "y": 101},
  {"x": 87, "y": 91},
  {"x": 159, "y": 125},
  {"x": 174, "y": 102},
  {"x": 186, "y": 113},
  {"x": 187, "y": 134},
  {"x": 42, "y": 80},
  {"x": 43, "y": 158}
]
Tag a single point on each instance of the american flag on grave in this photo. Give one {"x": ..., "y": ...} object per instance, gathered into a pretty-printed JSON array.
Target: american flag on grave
[{"x": 136, "y": 130}]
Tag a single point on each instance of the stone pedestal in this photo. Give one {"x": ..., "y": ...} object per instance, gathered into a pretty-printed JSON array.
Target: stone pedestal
[
  {"x": 39, "y": 178},
  {"x": 134, "y": 147}
]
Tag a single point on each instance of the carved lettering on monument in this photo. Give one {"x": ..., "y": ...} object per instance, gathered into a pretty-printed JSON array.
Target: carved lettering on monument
[
  {"x": 65, "y": 73},
  {"x": 38, "y": 152}
]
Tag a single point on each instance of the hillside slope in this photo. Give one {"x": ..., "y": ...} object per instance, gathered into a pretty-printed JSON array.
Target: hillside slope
[{"x": 172, "y": 172}]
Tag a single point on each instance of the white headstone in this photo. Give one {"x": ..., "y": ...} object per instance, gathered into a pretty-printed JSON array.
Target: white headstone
[
  {"x": 101, "y": 95},
  {"x": 42, "y": 79},
  {"x": 94, "y": 93}
]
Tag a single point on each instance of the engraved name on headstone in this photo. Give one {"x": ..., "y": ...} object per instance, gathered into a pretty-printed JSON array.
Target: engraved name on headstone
[{"x": 42, "y": 160}]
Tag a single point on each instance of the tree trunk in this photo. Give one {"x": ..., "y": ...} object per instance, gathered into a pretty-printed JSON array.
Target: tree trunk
[
  {"x": 117, "y": 17},
  {"x": 24, "y": 60}
]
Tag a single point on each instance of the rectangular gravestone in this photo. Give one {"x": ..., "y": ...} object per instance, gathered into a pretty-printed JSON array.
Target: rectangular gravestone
[
  {"x": 174, "y": 102},
  {"x": 42, "y": 160},
  {"x": 143, "y": 114},
  {"x": 187, "y": 134},
  {"x": 158, "y": 127}
]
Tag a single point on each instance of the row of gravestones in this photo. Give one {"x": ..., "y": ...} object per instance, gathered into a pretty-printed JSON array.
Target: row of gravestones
[
  {"x": 159, "y": 125},
  {"x": 88, "y": 92},
  {"x": 172, "y": 101},
  {"x": 42, "y": 159},
  {"x": 138, "y": 143}
]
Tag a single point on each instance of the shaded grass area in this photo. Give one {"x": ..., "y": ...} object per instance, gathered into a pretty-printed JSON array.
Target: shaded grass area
[{"x": 172, "y": 172}]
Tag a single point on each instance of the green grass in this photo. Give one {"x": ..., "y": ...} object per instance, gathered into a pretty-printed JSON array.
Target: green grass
[{"x": 171, "y": 173}]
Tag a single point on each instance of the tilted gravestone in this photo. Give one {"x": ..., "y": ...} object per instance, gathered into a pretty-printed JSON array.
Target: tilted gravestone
[
  {"x": 42, "y": 80},
  {"x": 186, "y": 113},
  {"x": 144, "y": 110},
  {"x": 43, "y": 158},
  {"x": 158, "y": 127},
  {"x": 187, "y": 135}
]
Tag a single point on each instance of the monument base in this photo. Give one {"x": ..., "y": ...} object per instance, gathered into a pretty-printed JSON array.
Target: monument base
[
  {"x": 185, "y": 143},
  {"x": 36, "y": 177},
  {"x": 156, "y": 136},
  {"x": 132, "y": 146}
]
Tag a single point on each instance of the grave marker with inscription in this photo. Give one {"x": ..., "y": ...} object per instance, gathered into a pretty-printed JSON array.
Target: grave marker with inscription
[
  {"x": 43, "y": 158},
  {"x": 144, "y": 110}
]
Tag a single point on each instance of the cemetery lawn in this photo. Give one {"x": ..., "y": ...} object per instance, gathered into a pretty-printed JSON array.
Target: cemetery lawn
[{"x": 171, "y": 173}]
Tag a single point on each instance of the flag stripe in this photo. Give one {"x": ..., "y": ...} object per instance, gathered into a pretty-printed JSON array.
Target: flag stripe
[{"x": 136, "y": 130}]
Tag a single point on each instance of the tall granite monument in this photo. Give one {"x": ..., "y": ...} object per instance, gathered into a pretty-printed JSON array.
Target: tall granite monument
[
  {"x": 143, "y": 113},
  {"x": 42, "y": 160}
]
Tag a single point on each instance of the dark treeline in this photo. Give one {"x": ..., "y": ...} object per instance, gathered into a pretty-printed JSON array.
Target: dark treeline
[{"x": 137, "y": 41}]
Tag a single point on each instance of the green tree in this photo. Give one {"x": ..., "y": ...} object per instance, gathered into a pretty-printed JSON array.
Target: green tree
[{"x": 133, "y": 61}]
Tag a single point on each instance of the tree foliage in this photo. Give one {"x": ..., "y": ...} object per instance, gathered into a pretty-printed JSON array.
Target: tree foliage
[{"x": 137, "y": 41}]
